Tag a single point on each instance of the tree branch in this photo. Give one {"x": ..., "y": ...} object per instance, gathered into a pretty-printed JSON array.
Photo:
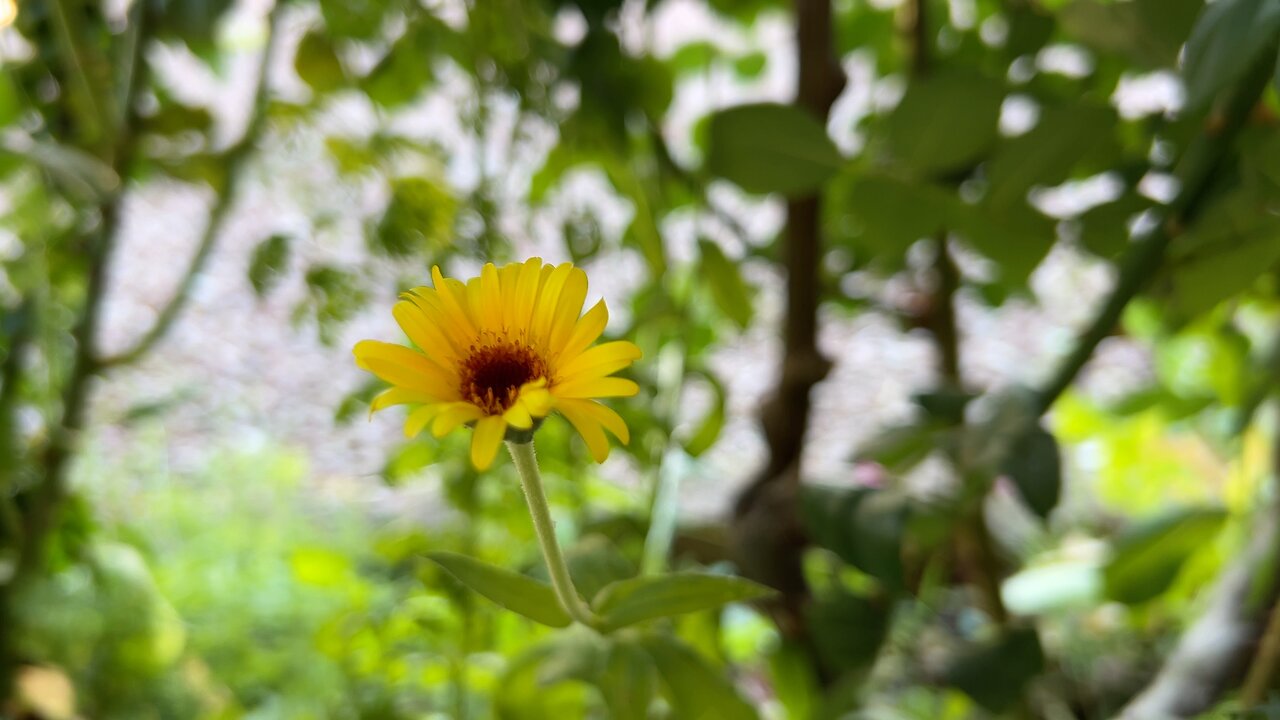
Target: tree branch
[
  {"x": 234, "y": 160},
  {"x": 1199, "y": 166}
]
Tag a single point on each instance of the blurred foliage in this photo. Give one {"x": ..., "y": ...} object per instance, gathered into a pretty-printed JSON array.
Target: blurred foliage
[{"x": 997, "y": 563}]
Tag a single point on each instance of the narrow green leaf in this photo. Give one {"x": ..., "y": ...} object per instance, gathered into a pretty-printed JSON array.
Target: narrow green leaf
[
  {"x": 696, "y": 690},
  {"x": 518, "y": 593},
  {"x": 1147, "y": 559},
  {"x": 1227, "y": 38},
  {"x": 1035, "y": 466},
  {"x": 628, "y": 602},
  {"x": 770, "y": 148},
  {"x": 708, "y": 430},
  {"x": 728, "y": 289}
]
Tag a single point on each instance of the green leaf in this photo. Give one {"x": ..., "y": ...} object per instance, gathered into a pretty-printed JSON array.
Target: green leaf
[
  {"x": 1146, "y": 32},
  {"x": 696, "y": 690},
  {"x": 770, "y": 148},
  {"x": 628, "y": 682},
  {"x": 1196, "y": 284},
  {"x": 946, "y": 121},
  {"x": 518, "y": 593},
  {"x": 863, "y": 526},
  {"x": 1046, "y": 154},
  {"x": 419, "y": 218},
  {"x": 848, "y": 630},
  {"x": 1146, "y": 559},
  {"x": 1104, "y": 229},
  {"x": 708, "y": 430},
  {"x": 901, "y": 447},
  {"x": 1227, "y": 38},
  {"x": 888, "y": 214},
  {"x": 410, "y": 459},
  {"x": 317, "y": 63},
  {"x": 1016, "y": 237},
  {"x": 727, "y": 286},
  {"x": 268, "y": 263},
  {"x": 595, "y": 562},
  {"x": 994, "y": 674},
  {"x": 355, "y": 18},
  {"x": 1034, "y": 464},
  {"x": 636, "y": 600}
]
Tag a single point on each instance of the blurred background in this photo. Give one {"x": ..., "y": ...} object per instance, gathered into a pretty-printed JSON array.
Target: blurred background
[{"x": 961, "y": 323}]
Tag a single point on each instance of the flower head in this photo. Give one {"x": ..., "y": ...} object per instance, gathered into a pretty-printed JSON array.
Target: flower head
[{"x": 503, "y": 351}]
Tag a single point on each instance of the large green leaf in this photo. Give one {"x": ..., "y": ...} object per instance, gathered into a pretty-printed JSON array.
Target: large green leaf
[
  {"x": 268, "y": 262},
  {"x": 1146, "y": 559},
  {"x": 947, "y": 120},
  {"x": 628, "y": 681},
  {"x": 1047, "y": 153},
  {"x": 771, "y": 148},
  {"x": 1227, "y": 38},
  {"x": 628, "y": 602},
  {"x": 889, "y": 214},
  {"x": 1034, "y": 464},
  {"x": 994, "y": 673},
  {"x": 518, "y": 593},
  {"x": 696, "y": 690},
  {"x": 1146, "y": 32}
]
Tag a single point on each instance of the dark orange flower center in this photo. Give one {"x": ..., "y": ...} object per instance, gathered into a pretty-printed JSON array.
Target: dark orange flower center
[{"x": 492, "y": 374}]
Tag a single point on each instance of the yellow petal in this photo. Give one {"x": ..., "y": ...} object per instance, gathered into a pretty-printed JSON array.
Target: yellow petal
[
  {"x": 453, "y": 299},
  {"x": 568, "y": 308},
  {"x": 419, "y": 418},
  {"x": 426, "y": 335},
  {"x": 429, "y": 303},
  {"x": 611, "y": 420},
  {"x": 526, "y": 296},
  {"x": 585, "y": 332},
  {"x": 518, "y": 416},
  {"x": 396, "y": 396},
  {"x": 596, "y": 388},
  {"x": 600, "y": 360},
  {"x": 401, "y": 366},
  {"x": 452, "y": 415},
  {"x": 508, "y": 277},
  {"x": 589, "y": 428},
  {"x": 544, "y": 314},
  {"x": 484, "y": 443},
  {"x": 536, "y": 398},
  {"x": 491, "y": 296}
]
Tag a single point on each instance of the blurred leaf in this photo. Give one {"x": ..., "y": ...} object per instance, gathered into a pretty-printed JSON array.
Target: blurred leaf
[
  {"x": 518, "y": 593},
  {"x": 794, "y": 680},
  {"x": 408, "y": 460},
  {"x": 1198, "y": 283},
  {"x": 192, "y": 21},
  {"x": 360, "y": 19},
  {"x": 900, "y": 448},
  {"x": 1046, "y": 154},
  {"x": 890, "y": 214},
  {"x": 595, "y": 562},
  {"x": 863, "y": 526},
  {"x": 947, "y": 119},
  {"x": 1147, "y": 32},
  {"x": 317, "y": 63},
  {"x": 728, "y": 288},
  {"x": 406, "y": 70},
  {"x": 709, "y": 429},
  {"x": 946, "y": 405},
  {"x": 1035, "y": 466},
  {"x": 1104, "y": 229},
  {"x": 521, "y": 694},
  {"x": 1056, "y": 586},
  {"x": 320, "y": 567},
  {"x": 175, "y": 118},
  {"x": 1016, "y": 237},
  {"x": 695, "y": 689},
  {"x": 636, "y": 600},
  {"x": 1146, "y": 559},
  {"x": 334, "y": 297},
  {"x": 770, "y": 148},
  {"x": 751, "y": 65},
  {"x": 268, "y": 263},
  {"x": 80, "y": 173},
  {"x": 575, "y": 654},
  {"x": 419, "y": 218},
  {"x": 847, "y": 631},
  {"x": 1228, "y": 36},
  {"x": 994, "y": 674},
  {"x": 628, "y": 682}
]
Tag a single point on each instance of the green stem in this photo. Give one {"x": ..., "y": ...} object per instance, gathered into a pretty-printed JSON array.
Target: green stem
[{"x": 557, "y": 568}]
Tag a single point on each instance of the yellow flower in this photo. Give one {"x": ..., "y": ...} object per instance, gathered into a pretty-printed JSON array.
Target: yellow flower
[{"x": 502, "y": 351}]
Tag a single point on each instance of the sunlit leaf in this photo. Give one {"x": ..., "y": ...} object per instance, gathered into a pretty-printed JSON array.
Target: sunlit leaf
[{"x": 1146, "y": 559}]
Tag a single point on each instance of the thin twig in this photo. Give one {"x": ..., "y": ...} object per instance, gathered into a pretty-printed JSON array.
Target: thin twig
[{"x": 234, "y": 159}]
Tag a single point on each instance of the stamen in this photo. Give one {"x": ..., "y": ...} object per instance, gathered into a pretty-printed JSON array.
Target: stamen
[{"x": 493, "y": 374}]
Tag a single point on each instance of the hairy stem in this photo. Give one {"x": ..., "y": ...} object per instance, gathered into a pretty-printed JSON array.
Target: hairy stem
[{"x": 557, "y": 568}]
